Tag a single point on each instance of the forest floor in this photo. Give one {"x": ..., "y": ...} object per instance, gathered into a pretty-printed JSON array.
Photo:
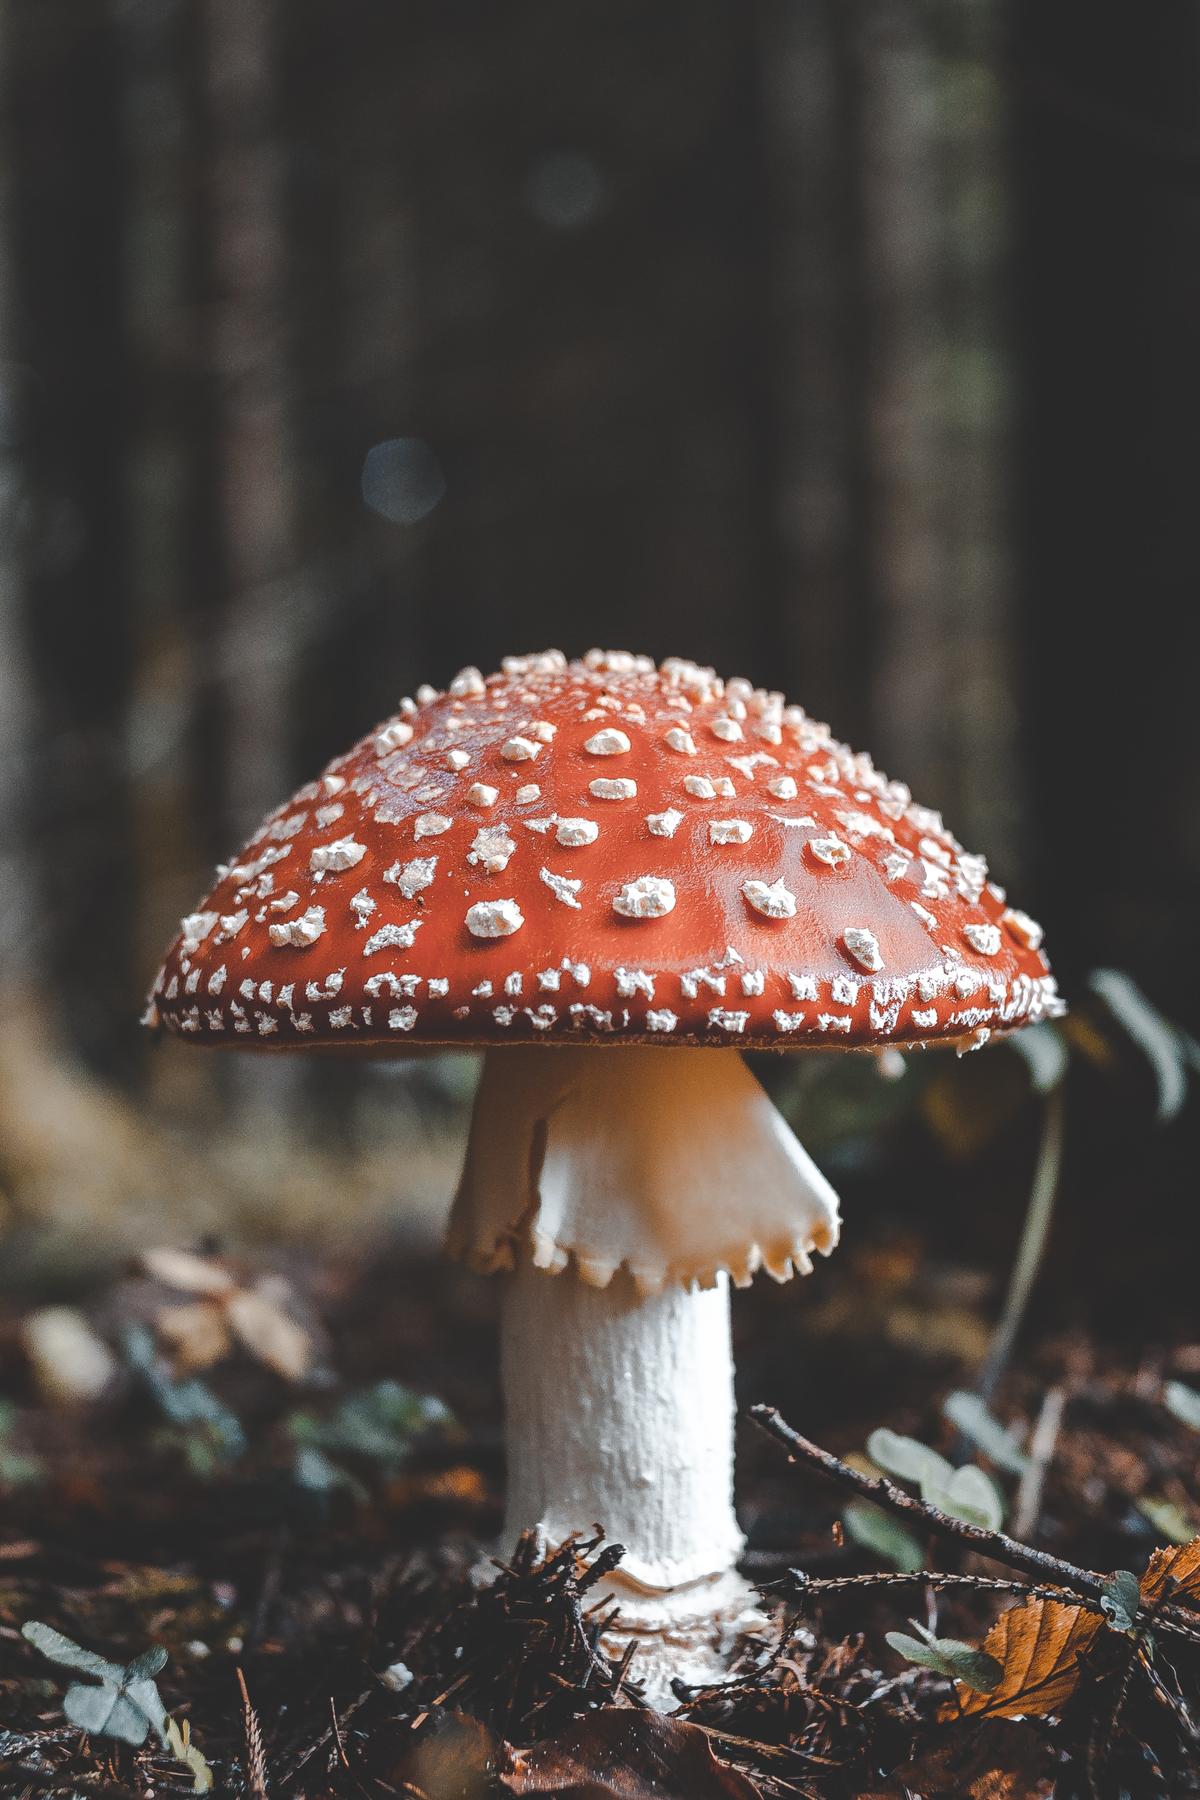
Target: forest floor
[{"x": 255, "y": 1543}]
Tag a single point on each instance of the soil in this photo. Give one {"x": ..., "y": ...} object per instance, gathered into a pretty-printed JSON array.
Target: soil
[{"x": 300, "y": 1547}]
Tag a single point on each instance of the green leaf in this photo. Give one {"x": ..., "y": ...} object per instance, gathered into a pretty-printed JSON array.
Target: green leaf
[
  {"x": 1121, "y": 1597},
  {"x": 379, "y": 1423},
  {"x": 872, "y": 1529},
  {"x": 1175, "y": 1524},
  {"x": 969, "y": 1495},
  {"x": 18, "y": 1468},
  {"x": 58, "y": 1648},
  {"x": 968, "y": 1413},
  {"x": 1045, "y": 1055},
  {"x": 906, "y": 1458},
  {"x": 1156, "y": 1037},
  {"x": 123, "y": 1703},
  {"x": 150, "y": 1663},
  {"x": 1184, "y": 1402},
  {"x": 318, "y": 1474},
  {"x": 949, "y": 1657},
  {"x": 213, "y": 1435}
]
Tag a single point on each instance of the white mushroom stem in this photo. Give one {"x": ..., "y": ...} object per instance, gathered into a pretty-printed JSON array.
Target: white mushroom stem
[
  {"x": 621, "y": 1188},
  {"x": 619, "y": 1411}
]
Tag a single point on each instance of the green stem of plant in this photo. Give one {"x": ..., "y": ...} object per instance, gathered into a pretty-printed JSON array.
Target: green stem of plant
[{"x": 1034, "y": 1233}]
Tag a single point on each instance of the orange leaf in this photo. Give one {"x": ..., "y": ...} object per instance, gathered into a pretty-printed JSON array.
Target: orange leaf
[
  {"x": 1039, "y": 1645},
  {"x": 1173, "y": 1572}
]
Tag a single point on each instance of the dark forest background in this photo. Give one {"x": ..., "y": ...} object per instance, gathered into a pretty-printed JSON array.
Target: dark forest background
[{"x": 846, "y": 344}]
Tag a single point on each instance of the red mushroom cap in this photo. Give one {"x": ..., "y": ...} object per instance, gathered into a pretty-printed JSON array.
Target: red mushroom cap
[{"x": 608, "y": 850}]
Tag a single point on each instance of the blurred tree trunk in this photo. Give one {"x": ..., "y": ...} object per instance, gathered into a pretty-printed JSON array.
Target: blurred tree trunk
[
  {"x": 1108, "y": 150},
  {"x": 249, "y": 321},
  {"x": 940, "y": 375},
  {"x": 885, "y": 148},
  {"x": 66, "y": 332},
  {"x": 21, "y": 962},
  {"x": 170, "y": 555},
  {"x": 819, "y": 313}
]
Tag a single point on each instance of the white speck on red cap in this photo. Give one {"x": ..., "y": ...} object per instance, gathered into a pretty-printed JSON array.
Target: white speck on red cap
[
  {"x": 772, "y": 899},
  {"x": 863, "y": 946},
  {"x": 393, "y": 737},
  {"x": 608, "y": 743},
  {"x": 519, "y": 749},
  {"x": 730, "y": 831},
  {"x": 562, "y": 887},
  {"x": 494, "y": 918},
  {"x": 828, "y": 850},
  {"x": 984, "y": 938},
  {"x": 1027, "y": 931},
  {"x": 412, "y": 877},
  {"x": 647, "y": 897},
  {"x": 575, "y": 832},
  {"x": 491, "y": 849},
  {"x": 392, "y": 937},
  {"x": 299, "y": 933}
]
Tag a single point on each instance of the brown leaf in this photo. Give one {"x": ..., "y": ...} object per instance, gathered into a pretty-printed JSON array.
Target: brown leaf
[
  {"x": 995, "y": 1761},
  {"x": 1039, "y": 1646},
  {"x": 453, "y": 1758},
  {"x": 270, "y": 1333},
  {"x": 197, "y": 1333},
  {"x": 617, "y": 1754},
  {"x": 187, "y": 1272},
  {"x": 1173, "y": 1572}
]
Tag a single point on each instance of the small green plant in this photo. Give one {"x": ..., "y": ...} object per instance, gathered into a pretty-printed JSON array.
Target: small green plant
[
  {"x": 975, "y": 1668},
  {"x": 376, "y": 1425},
  {"x": 122, "y": 1700},
  {"x": 208, "y": 1433},
  {"x": 18, "y": 1468},
  {"x": 965, "y": 1493}
]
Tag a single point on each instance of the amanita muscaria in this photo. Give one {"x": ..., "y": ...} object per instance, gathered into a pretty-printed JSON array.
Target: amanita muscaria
[{"x": 613, "y": 877}]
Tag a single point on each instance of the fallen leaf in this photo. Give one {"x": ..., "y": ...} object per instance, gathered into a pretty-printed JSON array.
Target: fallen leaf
[
  {"x": 197, "y": 1333},
  {"x": 996, "y": 1761},
  {"x": 270, "y": 1333},
  {"x": 1039, "y": 1646},
  {"x": 454, "y": 1758},
  {"x": 187, "y": 1272},
  {"x": 619, "y": 1754},
  {"x": 1168, "y": 1518},
  {"x": 1173, "y": 1572}
]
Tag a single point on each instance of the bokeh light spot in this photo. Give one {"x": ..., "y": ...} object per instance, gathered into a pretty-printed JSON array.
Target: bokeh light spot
[
  {"x": 566, "y": 190},
  {"x": 402, "y": 480}
]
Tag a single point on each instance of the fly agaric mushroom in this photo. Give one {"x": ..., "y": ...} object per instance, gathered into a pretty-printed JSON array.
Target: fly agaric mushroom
[{"x": 563, "y": 862}]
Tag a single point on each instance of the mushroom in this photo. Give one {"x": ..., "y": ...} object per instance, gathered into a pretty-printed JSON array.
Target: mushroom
[{"x": 614, "y": 877}]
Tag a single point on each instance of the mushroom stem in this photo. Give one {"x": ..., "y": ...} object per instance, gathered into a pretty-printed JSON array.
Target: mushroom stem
[
  {"x": 620, "y": 1412},
  {"x": 621, "y": 1189}
]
